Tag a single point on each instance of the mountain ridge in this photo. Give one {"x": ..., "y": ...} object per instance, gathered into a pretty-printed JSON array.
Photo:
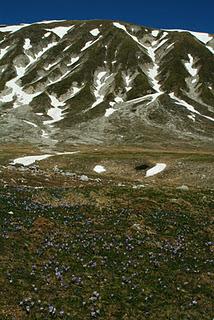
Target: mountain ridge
[{"x": 103, "y": 20}]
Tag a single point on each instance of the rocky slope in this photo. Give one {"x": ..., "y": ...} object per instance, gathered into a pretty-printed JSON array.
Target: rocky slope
[{"x": 105, "y": 82}]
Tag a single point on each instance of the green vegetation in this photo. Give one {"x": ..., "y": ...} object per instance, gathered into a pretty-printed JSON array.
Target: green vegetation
[{"x": 146, "y": 255}]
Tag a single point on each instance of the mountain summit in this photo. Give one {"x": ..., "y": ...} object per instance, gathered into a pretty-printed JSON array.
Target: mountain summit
[{"x": 105, "y": 82}]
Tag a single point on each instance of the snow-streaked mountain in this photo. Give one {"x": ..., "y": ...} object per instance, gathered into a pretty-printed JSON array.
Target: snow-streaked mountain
[{"x": 105, "y": 82}]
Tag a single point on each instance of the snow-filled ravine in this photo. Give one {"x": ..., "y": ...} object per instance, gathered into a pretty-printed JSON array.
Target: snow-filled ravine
[
  {"x": 28, "y": 160},
  {"x": 156, "y": 169}
]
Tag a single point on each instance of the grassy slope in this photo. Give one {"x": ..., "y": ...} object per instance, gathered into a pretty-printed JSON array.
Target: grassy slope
[
  {"x": 98, "y": 250},
  {"x": 186, "y": 166}
]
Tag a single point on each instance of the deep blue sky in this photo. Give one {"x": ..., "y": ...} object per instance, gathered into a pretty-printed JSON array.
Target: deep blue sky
[{"x": 194, "y": 15}]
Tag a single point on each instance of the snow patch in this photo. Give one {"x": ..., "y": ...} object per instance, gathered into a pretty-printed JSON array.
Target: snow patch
[
  {"x": 95, "y": 32},
  {"x": 73, "y": 60},
  {"x": 45, "y": 134},
  {"x": 75, "y": 91},
  {"x": 28, "y": 160},
  {"x": 188, "y": 106},
  {"x": 189, "y": 65},
  {"x": 154, "y": 70},
  {"x": 153, "y": 73},
  {"x": 159, "y": 43},
  {"x": 40, "y": 53},
  {"x": 120, "y": 26},
  {"x": 156, "y": 169},
  {"x": 46, "y": 35},
  {"x": 101, "y": 82},
  {"x": 27, "y": 44},
  {"x": 50, "y": 66},
  {"x": 55, "y": 112},
  {"x": 109, "y": 112},
  {"x": 128, "y": 81},
  {"x": 12, "y": 28},
  {"x": 203, "y": 37},
  {"x": 118, "y": 99},
  {"x": 184, "y": 103},
  {"x": 48, "y": 21},
  {"x": 60, "y": 31},
  {"x": 22, "y": 98},
  {"x": 192, "y": 117},
  {"x": 31, "y": 123},
  {"x": 154, "y": 96},
  {"x": 89, "y": 44},
  {"x": 3, "y": 52},
  {"x": 99, "y": 169},
  {"x": 63, "y": 76},
  {"x": 155, "y": 33},
  {"x": 170, "y": 46},
  {"x": 211, "y": 49},
  {"x": 67, "y": 152}
]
